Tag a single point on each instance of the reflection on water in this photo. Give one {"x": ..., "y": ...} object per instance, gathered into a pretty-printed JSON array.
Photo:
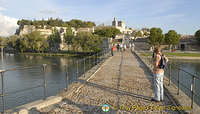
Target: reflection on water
[
  {"x": 22, "y": 79},
  {"x": 191, "y": 66}
]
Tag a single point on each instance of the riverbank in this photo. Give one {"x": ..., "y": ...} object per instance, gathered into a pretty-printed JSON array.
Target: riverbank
[
  {"x": 56, "y": 54},
  {"x": 186, "y": 56}
]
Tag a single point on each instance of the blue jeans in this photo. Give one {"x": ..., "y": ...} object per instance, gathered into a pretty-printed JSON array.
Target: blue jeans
[
  {"x": 112, "y": 53},
  {"x": 158, "y": 86}
]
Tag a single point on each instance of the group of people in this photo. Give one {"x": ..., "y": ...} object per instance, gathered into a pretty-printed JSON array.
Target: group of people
[{"x": 122, "y": 47}]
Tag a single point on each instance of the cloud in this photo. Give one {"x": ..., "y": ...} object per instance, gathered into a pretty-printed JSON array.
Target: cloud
[
  {"x": 48, "y": 12},
  {"x": 8, "y": 25},
  {"x": 2, "y": 0},
  {"x": 2, "y": 9}
]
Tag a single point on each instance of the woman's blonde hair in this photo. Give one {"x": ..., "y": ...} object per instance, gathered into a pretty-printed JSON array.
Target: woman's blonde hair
[{"x": 157, "y": 49}]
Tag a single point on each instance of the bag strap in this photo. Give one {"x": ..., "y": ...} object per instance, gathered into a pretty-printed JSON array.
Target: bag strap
[{"x": 161, "y": 54}]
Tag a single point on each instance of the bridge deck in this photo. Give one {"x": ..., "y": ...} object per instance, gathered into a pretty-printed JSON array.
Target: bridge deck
[{"x": 123, "y": 83}]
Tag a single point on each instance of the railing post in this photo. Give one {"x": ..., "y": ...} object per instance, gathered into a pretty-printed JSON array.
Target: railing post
[
  {"x": 2, "y": 91},
  {"x": 66, "y": 71},
  {"x": 169, "y": 74},
  {"x": 178, "y": 81},
  {"x": 89, "y": 64},
  {"x": 149, "y": 61},
  {"x": 97, "y": 58},
  {"x": 84, "y": 65},
  {"x": 76, "y": 69},
  {"x": 100, "y": 57},
  {"x": 44, "y": 84},
  {"x": 94, "y": 64},
  {"x": 193, "y": 91}
]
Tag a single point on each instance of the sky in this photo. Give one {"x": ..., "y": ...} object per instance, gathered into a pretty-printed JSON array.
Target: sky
[{"x": 179, "y": 15}]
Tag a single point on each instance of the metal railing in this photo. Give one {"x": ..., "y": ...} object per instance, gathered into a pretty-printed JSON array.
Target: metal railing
[
  {"x": 192, "y": 84},
  {"x": 94, "y": 61},
  {"x": 149, "y": 62}
]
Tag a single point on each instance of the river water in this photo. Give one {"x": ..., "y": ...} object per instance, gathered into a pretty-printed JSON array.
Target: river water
[
  {"x": 26, "y": 78},
  {"x": 191, "y": 66}
]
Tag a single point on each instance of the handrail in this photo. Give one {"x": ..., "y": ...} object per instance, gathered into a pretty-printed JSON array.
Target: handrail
[
  {"x": 189, "y": 73},
  {"x": 98, "y": 59}
]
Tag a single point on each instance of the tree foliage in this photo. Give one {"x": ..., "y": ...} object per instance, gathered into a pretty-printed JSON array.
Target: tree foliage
[
  {"x": 68, "y": 36},
  {"x": 87, "y": 42},
  {"x": 156, "y": 37},
  {"x": 56, "y": 22},
  {"x": 197, "y": 36},
  {"x": 33, "y": 42},
  {"x": 54, "y": 37},
  {"x": 40, "y": 23},
  {"x": 79, "y": 23},
  {"x": 138, "y": 34},
  {"x": 146, "y": 34},
  {"x": 107, "y": 32},
  {"x": 1, "y": 40},
  {"x": 172, "y": 38},
  {"x": 14, "y": 42}
]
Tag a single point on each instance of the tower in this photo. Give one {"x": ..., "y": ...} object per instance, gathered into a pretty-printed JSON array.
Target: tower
[
  {"x": 114, "y": 23},
  {"x": 121, "y": 24}
]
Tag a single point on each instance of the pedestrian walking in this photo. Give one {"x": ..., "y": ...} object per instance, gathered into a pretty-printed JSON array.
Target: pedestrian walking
[
  {"x": 112, "y": 50},
  {"x": 124, "y": 47},
  {"x": 133, "y": 47},
  {"x": 118, "y": 47},
  {"x": 158, "y": 73}
]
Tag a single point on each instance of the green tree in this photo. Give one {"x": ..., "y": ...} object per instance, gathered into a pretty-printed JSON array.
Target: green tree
[
  {"x": 54, "y": 37},
  {"x": 33, "y": 42},
  {"x": 1, "y": 40},
  {"x": 138, "y": 34},
  {"x": 79, "y": 23},
  {"x": 197, "y": 36},
  {"x": 107, "y": 32},
  {"x": 24, "y": 22},
  {"x": 172, "y": 38},
  {"x": 68, "y": 36},
  {"x": 156, "y": 37},
  {"x": 14, "y": 42},
  {"x": 146, "y": 34},
  {"x": 87, "y": 42}
]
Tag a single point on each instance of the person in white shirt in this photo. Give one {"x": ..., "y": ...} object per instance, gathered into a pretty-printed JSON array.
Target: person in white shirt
[
  {"x": 133, "y": 46},
  {"x": 120, "y": 47},
  {"x": 124, "y": 47}
]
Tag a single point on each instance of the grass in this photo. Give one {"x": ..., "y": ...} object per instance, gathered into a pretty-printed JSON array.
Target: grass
[{"x": 175, "y": 54}]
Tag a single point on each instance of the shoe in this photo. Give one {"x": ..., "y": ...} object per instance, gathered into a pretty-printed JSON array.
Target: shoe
[{"x": 154, "y": 100}]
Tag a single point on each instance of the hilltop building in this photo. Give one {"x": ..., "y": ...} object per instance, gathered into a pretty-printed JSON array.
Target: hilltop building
[
  {"x": 46, "y": 31},
  {"x": 121, "y": 26}
]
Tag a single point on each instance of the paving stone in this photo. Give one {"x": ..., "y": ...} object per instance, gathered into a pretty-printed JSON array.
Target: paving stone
[{"x": 123, "y": 83}]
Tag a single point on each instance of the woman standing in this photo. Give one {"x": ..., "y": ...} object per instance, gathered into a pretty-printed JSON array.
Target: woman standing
[{"x": 158, "y": 75}]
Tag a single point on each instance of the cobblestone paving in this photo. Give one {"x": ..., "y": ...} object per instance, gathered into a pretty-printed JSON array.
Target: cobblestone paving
[{"x": 123, "y": 83}]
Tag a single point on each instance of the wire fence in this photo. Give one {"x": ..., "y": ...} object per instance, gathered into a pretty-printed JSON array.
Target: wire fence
[
  {"x": 176, "y": 79},
  {"x": 70, "y": 71}
]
